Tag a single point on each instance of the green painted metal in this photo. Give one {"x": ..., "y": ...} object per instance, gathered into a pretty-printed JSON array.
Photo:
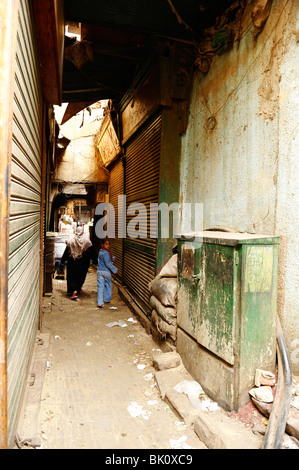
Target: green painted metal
[{"x": 227, "y": 299}]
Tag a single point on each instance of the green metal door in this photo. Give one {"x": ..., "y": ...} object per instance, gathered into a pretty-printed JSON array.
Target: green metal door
[{"x": 206, "y": 304}]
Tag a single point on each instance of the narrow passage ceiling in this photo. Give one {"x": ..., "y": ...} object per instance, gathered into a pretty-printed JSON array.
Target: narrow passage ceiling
[{"x": 119, "y": 37}]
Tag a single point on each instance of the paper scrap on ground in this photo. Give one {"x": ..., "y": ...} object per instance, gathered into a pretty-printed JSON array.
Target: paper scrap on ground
[
  {"x": 113, "y": 308},
  {"x": 179, "y": 443},
  {"x": 137, "y": 410},
  {"x": 117, "y": 323}
]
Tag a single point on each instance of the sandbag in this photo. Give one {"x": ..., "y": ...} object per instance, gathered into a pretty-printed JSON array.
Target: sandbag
[
  {"x": 162, "y": 326},
  {"x": 168, "y": 314},
  {"x": 165, "y": 290},
  {"x": 170, "y": 269}
]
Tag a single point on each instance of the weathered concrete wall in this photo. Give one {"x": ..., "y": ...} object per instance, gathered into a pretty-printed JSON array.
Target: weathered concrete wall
[{"x": 240, "y": 152}]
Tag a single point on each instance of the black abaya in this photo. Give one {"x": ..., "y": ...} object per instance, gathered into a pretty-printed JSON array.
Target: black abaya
[{"x": 77, "y": 268}]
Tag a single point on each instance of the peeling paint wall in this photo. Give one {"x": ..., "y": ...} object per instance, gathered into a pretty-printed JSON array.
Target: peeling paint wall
[{"x": 240, "y": 151}]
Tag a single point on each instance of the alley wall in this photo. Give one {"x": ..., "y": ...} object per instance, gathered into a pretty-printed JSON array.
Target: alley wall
[{"x": 240, "y": 151}]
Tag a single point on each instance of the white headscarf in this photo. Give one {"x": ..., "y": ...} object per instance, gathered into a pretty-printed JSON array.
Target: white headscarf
[{"x": 78, "y": 243}]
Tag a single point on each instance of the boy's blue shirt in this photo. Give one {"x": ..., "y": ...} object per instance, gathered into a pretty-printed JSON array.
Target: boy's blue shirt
[{"x": 104, "y": 262}]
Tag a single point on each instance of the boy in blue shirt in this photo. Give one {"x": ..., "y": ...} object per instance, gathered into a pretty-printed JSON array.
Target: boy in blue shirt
[{"x": 105, "y": 267}]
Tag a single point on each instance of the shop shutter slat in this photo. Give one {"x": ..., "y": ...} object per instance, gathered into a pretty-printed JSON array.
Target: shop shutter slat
[
  {"x": 142, "y": 186},
  {"x": 25, "y": 212},
  {"x": 116, "y": 188}
]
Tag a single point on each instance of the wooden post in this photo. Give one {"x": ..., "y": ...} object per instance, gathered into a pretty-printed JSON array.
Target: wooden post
[{"x": 8, "y": 36}]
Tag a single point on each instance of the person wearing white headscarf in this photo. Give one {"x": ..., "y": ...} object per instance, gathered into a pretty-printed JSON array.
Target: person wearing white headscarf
[{"x": 78, "y": 253}]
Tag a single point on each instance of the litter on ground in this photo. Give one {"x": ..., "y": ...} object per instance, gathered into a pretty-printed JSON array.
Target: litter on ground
[
  {"x": 120, "y": 323},
  {"x": 137, "y": 410},
  {"x": 194, "y": 391},
  {"x": 179, "y": 443}
]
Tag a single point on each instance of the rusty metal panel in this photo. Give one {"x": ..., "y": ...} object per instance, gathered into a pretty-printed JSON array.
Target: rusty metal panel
[
  {"x": 116, "y": 188},
  {"x": 24, "y": 211},
  {"x": 142, "y": 186}
]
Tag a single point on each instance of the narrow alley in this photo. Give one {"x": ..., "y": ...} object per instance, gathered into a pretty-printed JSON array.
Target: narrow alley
[
  {"x": 98, "y": 379},
  {"x": 165, "y": 134},
  {"x": 92, "y": 384}
]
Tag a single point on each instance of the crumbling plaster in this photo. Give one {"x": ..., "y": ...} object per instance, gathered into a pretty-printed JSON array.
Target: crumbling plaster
[{"x": 240, "y": 151}]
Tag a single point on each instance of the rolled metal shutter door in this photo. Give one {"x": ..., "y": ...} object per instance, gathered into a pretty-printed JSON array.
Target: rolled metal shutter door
[
  {"x": 116, "y": 188},
  {"x": 142, "y": 186},
  {"x": 25, "y": 211}
]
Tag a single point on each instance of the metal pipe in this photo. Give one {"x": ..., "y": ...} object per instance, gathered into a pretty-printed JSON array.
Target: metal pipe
[{"x": 280, "y": 410}]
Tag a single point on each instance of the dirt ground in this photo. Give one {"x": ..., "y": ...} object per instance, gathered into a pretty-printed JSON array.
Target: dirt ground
[
  {"x": 92, "y": 384},
  {"x": 99, "y": 390}
]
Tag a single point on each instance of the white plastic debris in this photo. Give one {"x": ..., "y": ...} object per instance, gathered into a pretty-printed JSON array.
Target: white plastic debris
[
  {"x": 131, "y": 320},
  {"x": 120, "y": 323},
  {"x": 140, "y": 366},
  {"x": 148, "y": 376},
  {"x": 208, "y": 405},
  {"x": 137, "y": 410},
  {"x": 89, "y": 343},
  {"x": 57, "y": 337},
  {"x": 192, "y": 389},
  {"x": 179, "y": 443},
  {"x": 113, "y": 308},
  {"x": 263, "y": 393},
  {"x": 189, "y": 387}
]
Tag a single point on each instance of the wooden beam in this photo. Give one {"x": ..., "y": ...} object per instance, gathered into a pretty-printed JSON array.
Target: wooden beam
[{"x": 49, "y": 23}]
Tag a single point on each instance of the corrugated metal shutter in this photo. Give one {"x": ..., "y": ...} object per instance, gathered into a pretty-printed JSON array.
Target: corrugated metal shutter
[
  {"x": 25, "y": 211},
  {"x": 142, "y": 186},
  {"x": 116, "y": 188}
]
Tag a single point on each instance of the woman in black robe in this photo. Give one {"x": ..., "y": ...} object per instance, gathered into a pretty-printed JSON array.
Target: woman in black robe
[{"x": 78, "y": 253}]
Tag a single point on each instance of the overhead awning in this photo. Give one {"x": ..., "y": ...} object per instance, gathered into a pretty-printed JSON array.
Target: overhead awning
[{"x": 74, "y": 108}]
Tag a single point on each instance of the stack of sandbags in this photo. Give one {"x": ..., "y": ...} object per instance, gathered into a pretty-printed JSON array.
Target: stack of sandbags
[{"x": 163, "y": 300}]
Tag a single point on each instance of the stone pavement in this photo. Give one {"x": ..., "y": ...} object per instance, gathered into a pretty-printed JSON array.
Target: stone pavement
[{"x": 99, "y": 390}]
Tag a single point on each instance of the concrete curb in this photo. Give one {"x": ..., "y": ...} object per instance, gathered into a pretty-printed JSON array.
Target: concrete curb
[{"x": 215, "y": 429}]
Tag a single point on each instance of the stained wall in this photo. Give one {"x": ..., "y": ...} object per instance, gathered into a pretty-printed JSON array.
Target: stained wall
[{"x": 240, "y": 151}]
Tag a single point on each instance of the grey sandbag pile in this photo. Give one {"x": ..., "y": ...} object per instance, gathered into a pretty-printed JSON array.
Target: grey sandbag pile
[{"x": 163, "y": 289}]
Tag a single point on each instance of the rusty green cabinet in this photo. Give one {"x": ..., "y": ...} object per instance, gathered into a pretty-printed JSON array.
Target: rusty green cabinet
[{"x": 227, "y": 296}]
